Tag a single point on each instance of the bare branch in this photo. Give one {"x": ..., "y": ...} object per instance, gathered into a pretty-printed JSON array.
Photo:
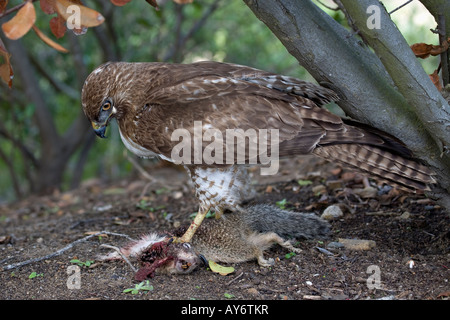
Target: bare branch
[
  {"x": 61, "y": 251},
  {"x": 14, "y": 9},
  {"x": 27, "y": 154},
  {"x": 408, "y": 75},
  {"x": 58, "y": 85},
  {"x": 12, "y": 173},
  {"x": 367, "y": 90},
  {"x": 181, "y": 40},
  {"x": 444, "y": 55}
]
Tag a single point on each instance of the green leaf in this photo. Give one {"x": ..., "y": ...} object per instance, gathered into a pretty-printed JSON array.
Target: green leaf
[
  {"x": 144, "y": 286},
  {"x": 35, "y": 274},
  {"x": 228, "y": 295},
  {"x": 282, "y": 204},
  {"x": 289, "y": 255},
  {"x": 304, "y": 182},
  {"x": 81, "y": 263},
  {"x": 220, "y": 269}
]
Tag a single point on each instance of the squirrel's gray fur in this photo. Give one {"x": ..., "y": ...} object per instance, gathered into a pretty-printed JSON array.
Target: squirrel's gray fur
[{"x": 287, "y": 224}]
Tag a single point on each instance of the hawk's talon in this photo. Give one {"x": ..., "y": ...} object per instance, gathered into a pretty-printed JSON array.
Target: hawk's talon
[
  {"x": 176, "y": 240},
  {"x": 218, "y": 214}
]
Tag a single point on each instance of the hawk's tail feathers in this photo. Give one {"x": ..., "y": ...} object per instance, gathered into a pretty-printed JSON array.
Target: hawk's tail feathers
[{"x": 406, "y": 174}]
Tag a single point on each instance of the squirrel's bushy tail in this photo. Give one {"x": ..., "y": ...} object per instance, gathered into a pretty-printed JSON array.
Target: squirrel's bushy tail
[{"x": 287, "y": 224}]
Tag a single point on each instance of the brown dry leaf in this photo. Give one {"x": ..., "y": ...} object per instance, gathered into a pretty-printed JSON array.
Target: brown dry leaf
[
  {"x": 3, "y": 4},
  {"x": 58, "y": 26},
  {"x": 183, "y": 1},
  {"x": 49, "y": 41},
  {"x": 120, "y": 3},
  {"x": 436, "y": 80},
  {"x": 21, "y": 23},
  {"x": 47, "y": 6},
  {"x": 88, "y": 17},
  {"x": 423, "y": 50},
  {"x": 6, "y": 72}
]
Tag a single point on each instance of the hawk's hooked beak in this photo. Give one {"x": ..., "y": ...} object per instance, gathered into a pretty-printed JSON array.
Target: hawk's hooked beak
[
  {"x": 106, "y": 113},
  {"x": 99, "y": 129}
]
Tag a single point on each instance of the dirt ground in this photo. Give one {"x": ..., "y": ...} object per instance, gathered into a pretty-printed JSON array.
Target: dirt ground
[{"x": 410, "y": 259}]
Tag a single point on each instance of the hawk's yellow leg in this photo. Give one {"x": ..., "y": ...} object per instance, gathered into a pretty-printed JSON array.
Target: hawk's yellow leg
[{"x": 187, "y": 236}]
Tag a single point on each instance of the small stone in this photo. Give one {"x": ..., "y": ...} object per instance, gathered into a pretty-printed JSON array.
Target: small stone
[
  {"x": 334, "y": 184},
  {"x": 319, "y": 189},
  {"x": 335, "y": 245},
  {"x": 311, "y": 297},
  {"x": 253, "y": 291},
  {"x": 356, "y": 244},
  {"x": 176, "y": 224},
  {"x": 177, "y": 195},
  {"x": 332, "y": 212},
  {"x": 367, "y": 192},
  {"x": 405, "y": 215}
]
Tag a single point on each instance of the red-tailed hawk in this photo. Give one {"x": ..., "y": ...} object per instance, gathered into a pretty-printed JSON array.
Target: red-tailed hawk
[{"x": 161, "y": 108}]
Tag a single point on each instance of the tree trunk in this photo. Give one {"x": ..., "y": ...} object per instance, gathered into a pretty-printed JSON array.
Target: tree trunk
[
  {"x": 55, "y": 149},
  {"x": 338, "y": 59}
]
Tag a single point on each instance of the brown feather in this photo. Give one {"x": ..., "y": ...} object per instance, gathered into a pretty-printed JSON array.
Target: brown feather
[{"x": 151, "y": 100}]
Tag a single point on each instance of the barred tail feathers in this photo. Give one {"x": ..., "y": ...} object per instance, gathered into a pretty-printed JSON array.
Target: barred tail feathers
[{"x": 407, "y": 174}]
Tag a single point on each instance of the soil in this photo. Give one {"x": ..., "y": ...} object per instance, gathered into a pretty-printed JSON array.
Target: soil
[{"x": 410, "y": 259}]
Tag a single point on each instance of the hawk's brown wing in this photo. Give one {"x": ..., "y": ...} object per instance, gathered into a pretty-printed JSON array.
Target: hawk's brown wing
[{"x": 223, "y": 96}]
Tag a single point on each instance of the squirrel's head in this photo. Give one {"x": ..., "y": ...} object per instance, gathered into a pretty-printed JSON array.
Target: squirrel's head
[{"x": 168, "y": 257}]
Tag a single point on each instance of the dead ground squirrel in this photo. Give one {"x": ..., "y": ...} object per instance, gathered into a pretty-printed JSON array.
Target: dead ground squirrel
[{"x": 238, "y": 237}]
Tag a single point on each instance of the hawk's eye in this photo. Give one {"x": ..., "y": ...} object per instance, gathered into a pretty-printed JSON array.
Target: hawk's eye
[{"x": 106, "y": 106}]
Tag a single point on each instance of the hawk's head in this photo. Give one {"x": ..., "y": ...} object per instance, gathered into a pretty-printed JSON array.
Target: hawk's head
[{"x": 109, "y": 92}]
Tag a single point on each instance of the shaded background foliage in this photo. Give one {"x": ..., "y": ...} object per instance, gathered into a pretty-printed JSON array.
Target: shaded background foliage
[{"x": 47, "y": 83}]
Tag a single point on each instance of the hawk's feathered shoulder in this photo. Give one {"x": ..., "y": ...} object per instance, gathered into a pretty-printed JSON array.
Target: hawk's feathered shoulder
[{"x": 228, "y": 96}]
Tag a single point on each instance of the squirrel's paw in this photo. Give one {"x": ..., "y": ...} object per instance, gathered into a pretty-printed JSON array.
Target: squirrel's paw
[
  {"x": 288, "y": 245},
  {"x": 265, "y": 263}
]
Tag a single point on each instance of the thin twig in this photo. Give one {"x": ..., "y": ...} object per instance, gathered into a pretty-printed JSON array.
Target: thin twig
[
  {"x": 59, "y": 86},
  {"x": 349, "y": 19},
  {"x": 444, "y": 55},
  {"x": 233, "y": 280},
  {"x": 60, "y": 251},
  {"x": 121, "y": 254},
  {"x": 140, "y": 169},
  {"x": 16, "y": 8},
  {"x": 181, "y": 41},
  {"x": 398, "y": 8}
]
